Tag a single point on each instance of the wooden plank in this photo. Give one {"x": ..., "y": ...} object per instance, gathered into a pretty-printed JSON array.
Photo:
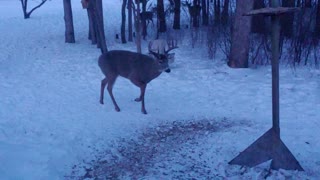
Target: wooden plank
[{"x": 271, "y": 11}]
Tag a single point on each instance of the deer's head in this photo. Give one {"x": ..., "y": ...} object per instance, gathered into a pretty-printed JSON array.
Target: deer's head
[
  {"x": 162, "y": 61},
  {"x": 162, "y": 56}
]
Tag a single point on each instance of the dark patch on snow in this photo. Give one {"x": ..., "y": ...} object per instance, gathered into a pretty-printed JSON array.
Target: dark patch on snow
[{"x": 141, "y": 156}]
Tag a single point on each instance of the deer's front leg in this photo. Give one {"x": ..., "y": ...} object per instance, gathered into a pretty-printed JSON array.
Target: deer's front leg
[
  {"x": 138, "y": 99},
  {"x": 143, "y": 90},
  {"x": 142, "y": 87}
]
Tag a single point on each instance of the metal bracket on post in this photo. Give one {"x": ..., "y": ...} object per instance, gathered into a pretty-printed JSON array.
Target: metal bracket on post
[{"x": 269, "y": 145}]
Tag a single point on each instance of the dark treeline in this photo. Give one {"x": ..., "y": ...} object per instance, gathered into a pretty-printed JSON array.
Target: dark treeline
[
  {"x": 300, "y": 31},
  {"x": 244, "y": 40}
]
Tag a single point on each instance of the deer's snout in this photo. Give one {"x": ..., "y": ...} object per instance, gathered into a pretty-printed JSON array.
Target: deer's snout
[{"x": 167, "y": 70}]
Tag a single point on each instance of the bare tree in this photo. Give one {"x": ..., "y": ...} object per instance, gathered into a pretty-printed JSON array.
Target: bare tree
[
  {"x": 123, "y": 21},
  {"x": 97, "y": 30},
  {"x": 99, "y": 16},
  {"x": 92, "y": 24},
  {"x": 130, "y": 20},
  {"x": 68, "y": 19},
  {"x": 217, "y": 11},
  {"x": 161, "y": 16},
  {"x": 205, "y": 13},
  {"x": 177, "y": 12},
  {"x": 317, "y": 26},
  {"x": 137, "y": 24},
  {"x": 24, "y": 4},
  {"x": 287, "y": 19},
  {"x": 240, "y": 36},
  {"x": 307, "y": 3},
  {"x": 299, "y": 3},
  {"x": 225, "y": 12},
  {"x": 258, "y": 21},
  {"x": 144, "y": 20}
]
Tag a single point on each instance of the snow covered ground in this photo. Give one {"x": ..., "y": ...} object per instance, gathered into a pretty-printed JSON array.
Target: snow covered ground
[{"x": 201, "y": 115}]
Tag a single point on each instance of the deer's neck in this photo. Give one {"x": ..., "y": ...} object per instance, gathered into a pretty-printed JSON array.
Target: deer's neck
[{"x": 155, "y": 72}]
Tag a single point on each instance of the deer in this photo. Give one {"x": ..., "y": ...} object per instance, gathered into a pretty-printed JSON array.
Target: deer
[
  {"x": 194, "y": 11},
  {"x": 139, "y": 68},
  {"x": 163, "y": 47}
]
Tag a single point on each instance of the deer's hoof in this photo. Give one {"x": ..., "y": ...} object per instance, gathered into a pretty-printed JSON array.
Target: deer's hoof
[
  {"x": 117, "y": 109},
  {"x": 144, "y": 111},
  {"x": 137, "y": 99},
  {"x": 101, "y": 102}
]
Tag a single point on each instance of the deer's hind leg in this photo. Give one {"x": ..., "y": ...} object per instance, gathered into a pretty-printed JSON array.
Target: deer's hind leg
[{"x": 103, "y": 85}]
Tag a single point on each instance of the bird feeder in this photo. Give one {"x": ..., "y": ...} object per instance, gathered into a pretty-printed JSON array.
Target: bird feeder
[{"x": 270, "y": 146}]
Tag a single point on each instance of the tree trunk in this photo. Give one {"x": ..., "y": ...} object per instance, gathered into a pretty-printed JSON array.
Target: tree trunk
[
  {"x": 95, "y": 6},
  {"x": 92, "y": 22},
  {"x": 240, "y": 36},
  {"x": 130, "y": 20},
  {"x": 208, "y": 10},
  {"x": 137, "y": 23},
  {"x": 196, "y": 9},
  {"x": 171, "y": 2},
  {"x": 89, "y": 30},
  {"x": 68, "y": 19},
  {"x": 217, "y": 11},
  {"x": 317, "y": 27},
  {"x": 99, "y": 16},
  {"x": 258, "y": 21},
  {"x": 143, "y": 20},
  {"x": 298, "y": 3},
  {"x": 225, "y": 12},
  {"x": 161, "y": 16},
  {"x": 177, "y": 12},
  {"x": 286, "y": 20},
  {"x": 307, "y": 3},
  {"x": 92, "y": 25},
  {"x": 205, "y": 16},
  {"x": 123, "y": 22},
  {"x": 24, "y": 4}
]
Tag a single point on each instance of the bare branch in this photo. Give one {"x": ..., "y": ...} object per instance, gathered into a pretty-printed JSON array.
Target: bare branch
[{"x": 43, "y": 1}]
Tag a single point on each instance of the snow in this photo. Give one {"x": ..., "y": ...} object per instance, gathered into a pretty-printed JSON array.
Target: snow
[{"x": 51, "y": 122}]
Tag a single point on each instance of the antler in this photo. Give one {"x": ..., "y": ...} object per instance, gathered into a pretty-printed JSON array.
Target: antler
[
  {"x": 150, "y": 47},
  {"x": 172, "y": 45},
  {"x": 151, "y": 51}
]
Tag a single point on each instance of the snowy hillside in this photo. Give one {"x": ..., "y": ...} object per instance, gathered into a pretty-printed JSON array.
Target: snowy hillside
[{"x": 200, "y": 116}]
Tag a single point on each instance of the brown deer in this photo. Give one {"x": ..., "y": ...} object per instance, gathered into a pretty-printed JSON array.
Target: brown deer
[
  {"x": 194, "y": 12},
  {"x": 140, "y": 69}
]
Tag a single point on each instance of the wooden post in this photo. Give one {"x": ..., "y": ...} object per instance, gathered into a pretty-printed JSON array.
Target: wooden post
[{"x": 275, "y": 36}]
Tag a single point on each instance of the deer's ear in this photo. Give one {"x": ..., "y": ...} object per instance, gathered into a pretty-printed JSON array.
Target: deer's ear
[
  {"x": 156, "y": 55},
  {"x": 170, "y": 55}
]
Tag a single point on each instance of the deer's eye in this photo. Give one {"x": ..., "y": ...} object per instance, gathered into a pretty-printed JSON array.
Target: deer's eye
[{"x": 161, "y": 61}]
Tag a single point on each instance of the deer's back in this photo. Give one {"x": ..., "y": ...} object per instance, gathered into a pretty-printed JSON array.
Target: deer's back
[{"x": 124, "y": 63}]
